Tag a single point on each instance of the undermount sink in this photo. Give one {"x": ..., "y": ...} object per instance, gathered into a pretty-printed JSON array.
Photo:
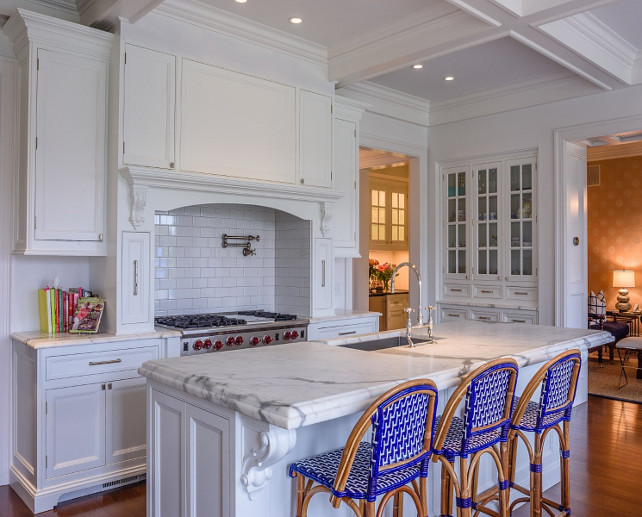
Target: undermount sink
[{"x": 382, "y": 343}]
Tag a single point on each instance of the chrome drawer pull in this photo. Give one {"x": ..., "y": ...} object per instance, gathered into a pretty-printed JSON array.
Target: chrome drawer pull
[
  {"x": 521, "y": 293},
  {"x": 346, "y": 333},
  {"x": 454, "y": 315},
  {"x": 135, "y": 277},
  {"x": 111, "y": 361},
  {"x": 483, "y": 317},
  {"x": 486, "y": 291},
  {"x": 518, "y": 321},
  {"x": 322, "y": 271},
  {"x": 456, "y": 290}
]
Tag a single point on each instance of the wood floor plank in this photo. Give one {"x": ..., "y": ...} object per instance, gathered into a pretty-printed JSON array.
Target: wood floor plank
[{"x": 606, "y": 471}]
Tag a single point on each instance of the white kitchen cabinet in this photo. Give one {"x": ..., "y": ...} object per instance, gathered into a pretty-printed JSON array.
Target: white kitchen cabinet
[
  {"x": 315, "y": 139},
  {"x": 135, "y": 274},
  {"x": 345, "y": 177},
  {"x": 233, "y": 124},
  {"x": 192, "y": 451},
  {"x": 61, "y": 183},
  {"x": 79, "y": 413},
  {"x": 488, "y": 225},
  {"x": 388, "y": 214},
  {"x": 342, "y": 327},
  {"x": 148, "y": 107},
  {"x": 322, "y": 275},
  {"x": 489, "y": 313}
]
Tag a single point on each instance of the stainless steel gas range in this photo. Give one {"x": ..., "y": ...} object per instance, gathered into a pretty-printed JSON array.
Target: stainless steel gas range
[{"x": 219, "y": 332}]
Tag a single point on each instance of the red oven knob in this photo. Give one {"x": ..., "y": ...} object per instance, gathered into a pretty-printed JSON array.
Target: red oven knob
[
  {"x": 254, "y": 341},
  {"x": 287, "y": 335},
  {"x": 267, "y": 340},
  {"x": 294, "y": 334},
  {"x": 198, "y": 344},
  {"x": 207, "y": 344},
  {"x": 239, "y": 340},
  {"x": 230, "y": 341},
  {"x": 218, "y": 345}
]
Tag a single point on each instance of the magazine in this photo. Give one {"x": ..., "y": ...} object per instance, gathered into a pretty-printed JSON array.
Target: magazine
[{"x": 88, "y": 313}]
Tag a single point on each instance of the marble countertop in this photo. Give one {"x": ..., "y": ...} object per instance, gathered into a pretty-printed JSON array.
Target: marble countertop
[
  {"x": 298, "y": 384},
  {"x": 36, "y": 339},
  {"x": 341, "y": 314}
]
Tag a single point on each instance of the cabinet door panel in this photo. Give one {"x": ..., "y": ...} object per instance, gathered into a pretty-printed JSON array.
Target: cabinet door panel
[
  {"x": 236, "y": 125},
  {"x": 125, "y": 436},
  {"x": 148, "y": 112},
  {"x": 322, "y": 287},
  {"x": 315, "y": 139},
  {"x": 135, "y": 278},
  {"x": 75, "y": 429},
  {"x": 70, "y": 154},
  {"x": 208, "y": 458},
  {"x": 345, "y": 174}
]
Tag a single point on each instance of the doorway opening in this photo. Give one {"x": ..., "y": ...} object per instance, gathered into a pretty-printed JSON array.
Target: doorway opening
[{"x": 385, "y": 232}]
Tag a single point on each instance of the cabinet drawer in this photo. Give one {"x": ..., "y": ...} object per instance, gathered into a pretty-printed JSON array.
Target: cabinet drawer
[
  {"x": 74, "y": 365},
  {"x": 518, "y": 318},
  {"x": 456, "y": 290},
  {"x": 484, "y": 316},
  {"x": 453, "y": 314},
  {"x": 343, "y": 330},
  {"x": 521, "y": 293},
  {"x": 487, "y": 291}
]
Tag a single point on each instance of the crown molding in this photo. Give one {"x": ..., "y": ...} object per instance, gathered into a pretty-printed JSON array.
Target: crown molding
[
  {"x": 67, "y": 7},
  {"x": 596, "y": 42},
  {"x": 220, "y": 21},
  {"x": 26, "y": 26},
  {"x": 389, "y": 102}
]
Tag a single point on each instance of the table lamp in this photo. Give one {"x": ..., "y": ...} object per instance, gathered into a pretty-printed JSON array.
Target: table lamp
[{"x": 623, "y": 278}]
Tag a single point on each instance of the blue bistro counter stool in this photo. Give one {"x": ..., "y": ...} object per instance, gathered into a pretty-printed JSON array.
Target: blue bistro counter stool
[
  {"x": 558, "y": 381},
  {"x": 489, "y": 392},
  {"x": 393, "y": 462}
]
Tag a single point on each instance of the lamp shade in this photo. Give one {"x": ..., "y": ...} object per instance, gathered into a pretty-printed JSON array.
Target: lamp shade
[{"x": 623, "y": 278}]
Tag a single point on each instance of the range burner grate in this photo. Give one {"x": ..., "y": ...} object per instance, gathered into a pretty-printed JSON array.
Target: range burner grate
[
  {"x": 276, "y": 316},
  {"x": 194, "y": 321}
]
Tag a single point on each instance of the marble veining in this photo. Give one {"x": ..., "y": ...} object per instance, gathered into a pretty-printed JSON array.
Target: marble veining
[
  {"x": 300, "y": 384},
  {"x": 36, "y": 339}
]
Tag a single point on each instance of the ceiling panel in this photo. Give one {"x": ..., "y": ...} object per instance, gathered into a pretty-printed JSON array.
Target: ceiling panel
[
  {"x": 490, "y": 65},
  {"x": 625, "y": 18}
]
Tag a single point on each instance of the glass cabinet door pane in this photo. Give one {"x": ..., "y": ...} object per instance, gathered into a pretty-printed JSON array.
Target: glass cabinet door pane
[
  {"x": 481, "y": 182},
  {"x": 492, "y": 235},
  {"x": 461, "y": 234},
  {"x": 461, "y": 255},
  {"x": 452, "y": 261},
  {"x": 492, "y": 181},
  {"x": 527, "y": 262},
  {"x": 527, "y": 176},
  {"x": 452, "y": 210},
  {"x": 461, "y": 184},
  {"x": 481, "y": 236},
  {"x": 481, "y": 266},
  {"x": 514, "y": 178},
  {"x": 515, "y": 262},
  {"x": 492, "y": 262}
]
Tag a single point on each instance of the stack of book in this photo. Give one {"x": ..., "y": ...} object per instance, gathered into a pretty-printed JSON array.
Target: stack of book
[{"x": 60, "y": 310}]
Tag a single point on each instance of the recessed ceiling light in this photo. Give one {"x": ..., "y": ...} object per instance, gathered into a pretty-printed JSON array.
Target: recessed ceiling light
[
  {"x": 295, "y": 20},
  {"x": 418, "y": 66},
  {"x": 240, "y": 1},
  {"x": 449, "y": 78}
]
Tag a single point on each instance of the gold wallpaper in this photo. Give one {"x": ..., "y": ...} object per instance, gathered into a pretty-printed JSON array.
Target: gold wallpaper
[{"x": 615, "y": 227}]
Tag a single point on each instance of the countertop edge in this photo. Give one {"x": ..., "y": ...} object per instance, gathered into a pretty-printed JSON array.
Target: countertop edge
[{"x": 38, "y": 340}]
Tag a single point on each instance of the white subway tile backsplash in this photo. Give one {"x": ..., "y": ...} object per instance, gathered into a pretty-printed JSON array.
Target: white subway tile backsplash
[{"x": 196, "y": 274}]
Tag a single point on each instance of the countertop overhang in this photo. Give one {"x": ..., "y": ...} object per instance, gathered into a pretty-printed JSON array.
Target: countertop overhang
[{"x": 300, "y": 384}]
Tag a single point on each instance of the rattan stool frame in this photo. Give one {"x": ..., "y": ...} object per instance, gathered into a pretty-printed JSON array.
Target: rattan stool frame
[
  {"x": 366, "y": 505},
  {"x": 548, "y": 418},
  {"x": 493, "y": 435}
]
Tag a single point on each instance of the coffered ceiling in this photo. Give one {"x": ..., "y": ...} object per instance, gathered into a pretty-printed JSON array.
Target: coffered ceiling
[{"x": 492, "y": 48}]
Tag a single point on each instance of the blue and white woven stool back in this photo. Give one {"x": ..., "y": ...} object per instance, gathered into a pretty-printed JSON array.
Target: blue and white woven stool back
[
  {"x": 488, "y": 407},
  {"x": 399, "y": 428},
  {"x": 558, "y": 391}
]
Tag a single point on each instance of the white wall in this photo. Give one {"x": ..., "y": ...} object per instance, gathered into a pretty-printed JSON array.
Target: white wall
[{"x": 527, "y": 128}]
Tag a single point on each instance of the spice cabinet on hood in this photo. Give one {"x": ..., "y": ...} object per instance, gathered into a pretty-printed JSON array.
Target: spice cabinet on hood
[{"x": 60, "y": 195}]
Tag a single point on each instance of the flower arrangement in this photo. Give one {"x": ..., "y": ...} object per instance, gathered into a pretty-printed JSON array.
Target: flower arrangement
[{"x": 380, "y": 273}]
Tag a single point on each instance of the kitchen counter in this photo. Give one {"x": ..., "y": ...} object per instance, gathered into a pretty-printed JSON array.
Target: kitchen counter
[
  {"x": 238, "y": 419},
  {"x": 341, "y": 314},
  {"x": 295, "y": 385},
  {"x": 36, "y": 339}
]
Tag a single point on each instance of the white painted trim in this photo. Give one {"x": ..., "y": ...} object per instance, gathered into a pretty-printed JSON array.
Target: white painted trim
[
  {"x": 243, "y": 29},
  {"x": 8, "y": 166},
  {"x": 575, "y": 134}
]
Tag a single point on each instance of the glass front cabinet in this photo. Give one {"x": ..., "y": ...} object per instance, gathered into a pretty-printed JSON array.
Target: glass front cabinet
[{"x": 488, "y": 235}]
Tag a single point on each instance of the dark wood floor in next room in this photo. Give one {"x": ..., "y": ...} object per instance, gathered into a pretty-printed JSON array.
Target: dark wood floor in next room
[{"x": 606, "y": 452}]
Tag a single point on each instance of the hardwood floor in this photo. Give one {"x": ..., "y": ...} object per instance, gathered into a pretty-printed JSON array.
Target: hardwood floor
[{"x": 606, "y": 469}]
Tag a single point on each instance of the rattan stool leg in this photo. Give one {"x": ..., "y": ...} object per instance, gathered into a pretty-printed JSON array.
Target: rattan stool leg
[
  {"x": 565, "y": 460},
  {"x": 536, "y": 477},
  {"x": 397, "y": 508},
  {"x": 300, "y": 487},
  {"x": 464, "y": 501},
  {"x": 446, "y": 493}
]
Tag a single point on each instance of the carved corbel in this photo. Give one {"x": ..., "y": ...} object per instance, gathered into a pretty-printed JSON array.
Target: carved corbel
[
  {"x": 273, "y": 446},
  {"x": 327, "y": 210},
  {"x": 139, "y": 203}
]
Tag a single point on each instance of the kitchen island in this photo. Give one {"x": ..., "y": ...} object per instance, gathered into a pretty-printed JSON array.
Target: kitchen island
[{"x": 222, "y": 428}]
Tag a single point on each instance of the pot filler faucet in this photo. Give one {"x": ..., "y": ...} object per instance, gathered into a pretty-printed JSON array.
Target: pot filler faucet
[{"x": 409, "y": 311}]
